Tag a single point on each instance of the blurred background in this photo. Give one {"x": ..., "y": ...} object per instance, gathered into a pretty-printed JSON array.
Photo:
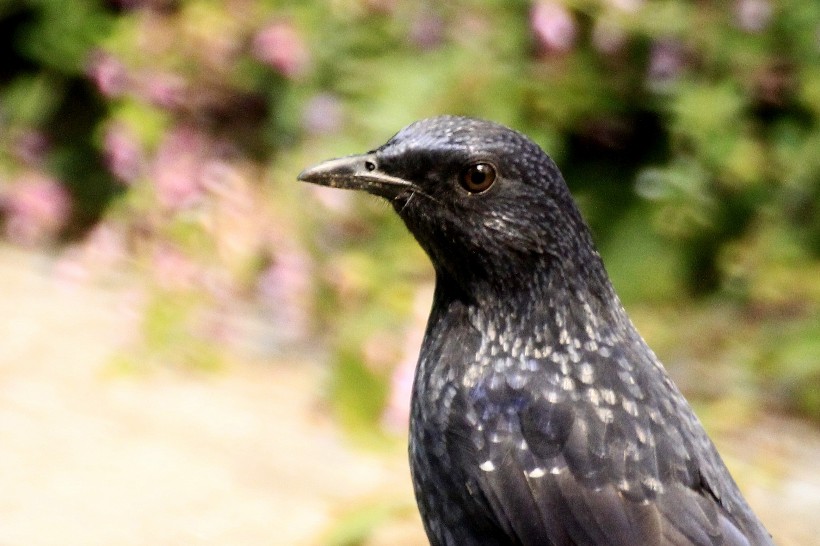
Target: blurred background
[{"x": 197, "y": 349}]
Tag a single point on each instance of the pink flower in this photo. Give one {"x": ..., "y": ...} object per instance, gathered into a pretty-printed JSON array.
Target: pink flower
[
  {"x": 427, "y": 31},
  {"x": 224, "y": 180},
  {"x": 108, "y": 73},
  {"x": 554, "y": 27},
  {"x": 284, "y": 289},
  {"x": 753, "y": 15},
  {"x": 397, "y": 413},
  {"x": 339, "y": 202},
  {"x": 666, "y": 62},
  {"x": 123, "y": 153},
  {"x": 323, "y": 115},
  {"x": 36, "y": 208},
  {"x": 30, "y": 146},
  {"x": 164, "y": 89},
  {"x": 173, "y": 270},
  {"x": 608, "y": 37},
  {"x": 280, "y": 46},
  {"x": 177, "y": 168}
]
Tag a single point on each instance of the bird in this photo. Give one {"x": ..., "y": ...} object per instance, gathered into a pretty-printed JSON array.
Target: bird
[{"x": 539, "y": 415}]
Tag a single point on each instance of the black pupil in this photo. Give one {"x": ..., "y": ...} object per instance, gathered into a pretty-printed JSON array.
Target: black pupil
[{"x": 478, "y": 175}]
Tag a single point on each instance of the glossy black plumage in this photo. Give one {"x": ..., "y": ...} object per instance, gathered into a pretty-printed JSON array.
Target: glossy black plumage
[{"x": 539, "y": 414}]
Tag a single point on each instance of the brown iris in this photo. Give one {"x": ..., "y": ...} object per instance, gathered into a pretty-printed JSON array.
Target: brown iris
[{"x": 477, "y": 177}]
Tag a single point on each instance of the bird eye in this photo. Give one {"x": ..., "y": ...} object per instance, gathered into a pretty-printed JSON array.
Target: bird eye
[{"x": 477, "y": 177}]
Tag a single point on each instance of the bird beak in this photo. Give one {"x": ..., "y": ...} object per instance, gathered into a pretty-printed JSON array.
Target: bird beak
[{"x": 356, "y": 172}]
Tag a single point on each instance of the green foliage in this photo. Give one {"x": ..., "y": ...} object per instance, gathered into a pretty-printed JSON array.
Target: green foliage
[
  {"x": 792, "y": 368},
  {"x": 171, "y": 338},
  {"x": 31, "y": 100},
  {"x": 358, "y": 396},
  {"x": 689, "y": 131},
  {"x": 62, "y": 32},
  {"x": 355, "y": 527}
]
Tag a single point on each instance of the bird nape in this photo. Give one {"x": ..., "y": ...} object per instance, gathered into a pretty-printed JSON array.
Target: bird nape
[{"x": 539, "y": 414}]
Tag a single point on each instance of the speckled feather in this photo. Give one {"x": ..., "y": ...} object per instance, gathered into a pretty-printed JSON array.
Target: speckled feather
[{"x": 539, "y": 414}]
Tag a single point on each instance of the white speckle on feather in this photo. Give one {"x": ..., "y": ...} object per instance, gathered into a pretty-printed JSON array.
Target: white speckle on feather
[
  {"x": 516, "y": 347},
  {"x": 536, "y": 472},
  {"x": 630, "y": 406},
  {"x": 593, "y": 396},
  {"x": 606, "y": 415},
  {"x": 565, "y": 368},
  {"x": 608, "y": 396},
  {"x": 504, "y": 341},
  {"x": 652, "y": 484},
  {"x": 655, "y": 416},
  {"x": 516, "y": 380},
  {"x": 563, "y": 337},
  {"x": 586, "y": 373}
]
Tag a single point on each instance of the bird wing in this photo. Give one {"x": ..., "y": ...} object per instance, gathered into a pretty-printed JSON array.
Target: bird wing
[{"x": 559, "y": 461}]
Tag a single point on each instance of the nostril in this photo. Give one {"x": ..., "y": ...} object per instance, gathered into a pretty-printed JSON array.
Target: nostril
[{"x": 369, "y": 166}]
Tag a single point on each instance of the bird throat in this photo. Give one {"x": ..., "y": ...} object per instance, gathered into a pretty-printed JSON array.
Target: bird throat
[{"x": 551, "y": 319}]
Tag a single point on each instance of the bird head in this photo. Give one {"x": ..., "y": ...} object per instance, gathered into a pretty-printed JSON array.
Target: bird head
[{"x": 488, "y": 206}]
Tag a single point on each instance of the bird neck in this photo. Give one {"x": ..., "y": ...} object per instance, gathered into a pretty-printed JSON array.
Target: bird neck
[{"x": 550, "y": 304}]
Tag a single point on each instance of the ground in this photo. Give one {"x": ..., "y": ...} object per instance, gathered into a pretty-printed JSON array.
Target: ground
[{"x": 243, "y": 456}]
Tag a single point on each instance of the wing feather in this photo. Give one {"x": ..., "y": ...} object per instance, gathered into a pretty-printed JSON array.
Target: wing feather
[{"x": 603, "y": 466}]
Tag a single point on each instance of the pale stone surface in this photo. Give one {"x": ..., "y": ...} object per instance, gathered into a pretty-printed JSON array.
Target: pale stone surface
[{"x": 244, "y": 456}]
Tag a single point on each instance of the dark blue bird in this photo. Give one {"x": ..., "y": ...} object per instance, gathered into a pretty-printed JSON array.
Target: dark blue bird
[{"x": 539, "y": 414}]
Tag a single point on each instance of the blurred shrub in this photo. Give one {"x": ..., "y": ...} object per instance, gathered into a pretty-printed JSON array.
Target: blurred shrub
[{"x": 165, "y": 135}]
